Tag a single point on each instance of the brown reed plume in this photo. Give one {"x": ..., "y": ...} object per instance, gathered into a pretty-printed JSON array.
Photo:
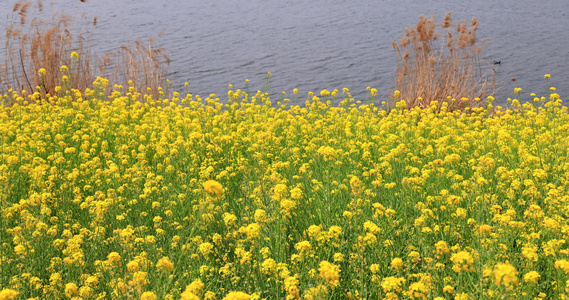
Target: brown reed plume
[
  {"x": 431, "y": 68},
  {"x": 49, "y": 44},
  {"x": 137, "y": 65},
  {"x": 32, "y": 46}
]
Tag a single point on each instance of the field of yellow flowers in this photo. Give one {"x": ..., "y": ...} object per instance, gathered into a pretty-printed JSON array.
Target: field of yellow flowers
[{"x": 134, "y": 196}]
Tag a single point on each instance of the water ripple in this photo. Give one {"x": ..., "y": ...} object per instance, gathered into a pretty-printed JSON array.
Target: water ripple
[{"x": 330, "y": 44}]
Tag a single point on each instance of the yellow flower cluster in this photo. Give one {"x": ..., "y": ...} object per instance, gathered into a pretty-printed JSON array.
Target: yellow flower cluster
[
  {"x": 213, "y": 187},
  {"x": 135, "y": 196}
]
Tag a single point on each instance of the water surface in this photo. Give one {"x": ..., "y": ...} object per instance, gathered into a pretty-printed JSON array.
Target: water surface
[{"x": 323, "y": 44}]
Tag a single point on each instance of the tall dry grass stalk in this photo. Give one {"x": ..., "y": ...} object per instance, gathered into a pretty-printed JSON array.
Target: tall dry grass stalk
[
  {"x": 138, "y": 63},
  {"x": 48, "y": 44},
  {"x": 431, "y": 68}
]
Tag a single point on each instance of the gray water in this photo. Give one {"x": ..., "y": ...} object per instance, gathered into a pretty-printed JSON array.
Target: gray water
[{"x": 323, "y": 44}]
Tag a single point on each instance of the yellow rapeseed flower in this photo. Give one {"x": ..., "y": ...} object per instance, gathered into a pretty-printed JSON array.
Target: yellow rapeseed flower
[
  {"x": 303, "y": 246},
  {"x": 20, "y": 249},
  {"x": 148, "y": 296},
  {"x": 237, "y": 296},
  {"x": 7, "y": 294},
  {"x": 268, "y": 266},
  {"x": 562, "y": 264},
  {"x": 442, "y": 247},
  {"x": 187, "y": 295},
  {"x": 397, "y": 263},
  {"x": 133, "y": 266},
  {"x": 390, "y": 283},
  {"x": 462, "y": 261},
  {"x": 260, "y": 215},
  {"x": 485, "y": 229},
  {"x": 229, "y": 219},
  {"x": 114, "y": 257},
  {"x": 339, "y": 256},
  {"x": 213, "y": 187},
  {"x": 85, "y": 291},
  {"x": 448, "y": 289},
  {"x": 505, "y": 274},
  {"x": 330, "y": 272},
  {"x": 461, "y": 296},
  {"x": 205, "y": 248},
  {"x": 296, "y": 193},
  {"x": 374, "y": 268},
  {"x": 165, "y": 264},
  {"x": 209, "y": 295},
  {"x": 70, "y": 289},
  {"x": 279, "y": 191},
  {"x": 532, "y": 276}
]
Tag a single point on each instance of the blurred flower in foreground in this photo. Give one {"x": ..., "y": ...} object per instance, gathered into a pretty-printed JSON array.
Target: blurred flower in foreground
[
  {"x": 237, "y": 296},
  {"x": 213, "y": 187},
  {"x": 506, "y": 274},
  {"x": 8, "y": 294}
]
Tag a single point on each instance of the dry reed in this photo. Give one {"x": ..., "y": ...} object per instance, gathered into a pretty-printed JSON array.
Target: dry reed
[
  {"x": 137, "y": 64},
  {"x": 431, "y": 68},
  {"x": 49, "y": 44}
]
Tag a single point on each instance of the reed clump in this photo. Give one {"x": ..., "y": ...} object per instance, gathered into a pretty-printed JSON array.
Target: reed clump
[
  {"x": 40, "y": 55},
  {"x": 136, "y": 64},
  {"x": 448, "y": 68}
]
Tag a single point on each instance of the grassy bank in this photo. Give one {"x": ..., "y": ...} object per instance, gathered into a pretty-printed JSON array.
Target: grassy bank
[{"x": 132, "y": 196}]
